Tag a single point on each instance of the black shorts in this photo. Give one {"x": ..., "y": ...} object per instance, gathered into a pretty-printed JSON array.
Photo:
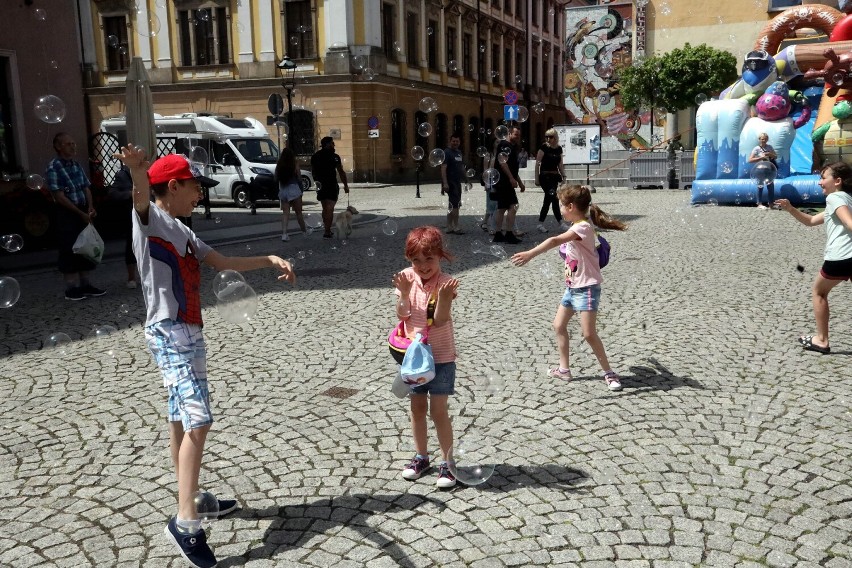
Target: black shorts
[
  {"x": 506, "y": 198},
  {"x": 837, "y": 269},
  {"x": 454, "y": 193},
  {"x": 328, "y": 194}
]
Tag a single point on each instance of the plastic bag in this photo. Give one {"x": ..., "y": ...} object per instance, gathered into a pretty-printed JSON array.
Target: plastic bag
[
  {"x": 418, "y": 365},
  {"x": 89, "y": 244}
]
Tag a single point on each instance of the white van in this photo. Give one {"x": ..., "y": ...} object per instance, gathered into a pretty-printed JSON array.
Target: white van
[{"x": 239, "y": 149}]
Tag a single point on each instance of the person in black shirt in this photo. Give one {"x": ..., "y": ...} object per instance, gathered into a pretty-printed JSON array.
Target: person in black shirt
[
  {"x": 325, "y": 165},
  {"x": 504, "y": 189},
  {"x": 549, "y": 173}
]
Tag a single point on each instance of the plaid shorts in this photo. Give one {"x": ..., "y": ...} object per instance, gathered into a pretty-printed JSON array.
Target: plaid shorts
[{"x": 181, "y": 354}]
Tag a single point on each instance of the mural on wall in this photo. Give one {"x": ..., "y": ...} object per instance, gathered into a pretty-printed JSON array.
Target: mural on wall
[{"x": 599, "y": 42}]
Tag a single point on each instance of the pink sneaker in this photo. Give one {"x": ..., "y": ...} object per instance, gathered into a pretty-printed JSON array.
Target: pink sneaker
[
  {"x": 613, "y": 381},
  {"x": 560, "y": 374}
]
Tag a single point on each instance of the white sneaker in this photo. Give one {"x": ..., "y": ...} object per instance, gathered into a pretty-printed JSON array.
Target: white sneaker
[
  {"x": 564, "y": 226},
  {"x": 285, "y": 237},
  {"x": 613, "y": 381},
  {"x": 541, "y": 228}
]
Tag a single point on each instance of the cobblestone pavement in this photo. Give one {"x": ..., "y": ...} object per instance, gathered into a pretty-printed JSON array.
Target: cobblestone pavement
[{"x": 729, "y": 445}]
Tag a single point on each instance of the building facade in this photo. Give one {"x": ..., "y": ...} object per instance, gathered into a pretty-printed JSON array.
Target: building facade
[{"x": 362, "y": 68}]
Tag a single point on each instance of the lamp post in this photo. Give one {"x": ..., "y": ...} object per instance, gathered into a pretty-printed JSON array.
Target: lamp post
[{"x": 288, "y": 72}]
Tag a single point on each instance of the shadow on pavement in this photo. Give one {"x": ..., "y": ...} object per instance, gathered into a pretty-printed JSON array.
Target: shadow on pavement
[
  {"x": 655, "y": 377},
  {"x": 293, "y": 526},
  {"x": 509, "y": 478}
]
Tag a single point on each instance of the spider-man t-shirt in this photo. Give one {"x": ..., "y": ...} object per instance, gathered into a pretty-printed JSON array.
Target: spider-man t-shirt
[{"x": 168, "y": 256}]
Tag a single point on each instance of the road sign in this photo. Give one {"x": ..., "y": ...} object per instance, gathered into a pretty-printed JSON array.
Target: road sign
[
  {"x": 510, "y": 112},
  {"x": 511, "y": 97},
  {"x": 373, "y": 122},
  {"x": 373, "y": 133},
  {"x": 275, "y": 104}
]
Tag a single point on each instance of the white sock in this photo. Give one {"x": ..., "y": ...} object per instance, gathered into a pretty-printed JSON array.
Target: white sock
[{"x": 188, "y": 526}]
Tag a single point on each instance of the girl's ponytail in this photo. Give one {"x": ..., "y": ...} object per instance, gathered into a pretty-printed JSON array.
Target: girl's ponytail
[{"x": 604, "y": 220}]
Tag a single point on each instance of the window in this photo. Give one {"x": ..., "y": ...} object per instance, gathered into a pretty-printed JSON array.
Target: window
[
  {"x": 388, "y": 35},
  {"x": 519, "y": 66},
  {"x": 480, "y": 61},
  {"x": 451, "y": 44},
  {"x": 115, "y": 42},
  {"x": 298, "y": 21},
  {"x": 422, "y": 141},
  {"x": 534, "y": 79},
  {"x": 458, "y": 124},
  {"x": 781, "y": 4},
  {"x": 432, "y": 45},
  {"x": 534, "y": 13},
  {"x": 398, "y": 131},
  {"x": 556, "y": 15},
  {"x": 555, "y": 74},
  {"x": 519, "y": 9},
  {"x": 441, "y": 134},
  {"x": 8, "y": 149},
  {"x": 411, "y": 24},
  {"x": 204, "y": 37},
  {"x": 507, "y": 7},
  {"x": 508, "y": 80},
  {"x": 545, "y": 21},
  {"x": 467, "y": 44},
  {"x": 301, "y": 138},
  {"x": 495, "y": 63}
]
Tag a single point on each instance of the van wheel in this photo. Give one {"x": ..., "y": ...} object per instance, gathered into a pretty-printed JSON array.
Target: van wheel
[
  {"x": 241, "y": 195},
  {"x": 306, "y": 183}
]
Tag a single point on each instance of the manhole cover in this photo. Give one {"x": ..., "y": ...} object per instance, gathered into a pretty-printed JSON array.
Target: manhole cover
[
  {"x": 329, "y": 271},
  {"x": 339, "y": 392}
]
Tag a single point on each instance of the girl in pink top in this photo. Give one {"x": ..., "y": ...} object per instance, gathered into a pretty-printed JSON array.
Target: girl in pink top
[
  {"x": 582, "y": 276},
  {"x": 416, "y": 286}
]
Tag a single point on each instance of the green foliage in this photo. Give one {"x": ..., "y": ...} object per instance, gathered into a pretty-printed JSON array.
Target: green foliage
[{"x": 674, "y": 80}]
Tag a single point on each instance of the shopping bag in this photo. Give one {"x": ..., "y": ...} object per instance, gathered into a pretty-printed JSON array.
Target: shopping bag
[{"x": 89, "y": 244}]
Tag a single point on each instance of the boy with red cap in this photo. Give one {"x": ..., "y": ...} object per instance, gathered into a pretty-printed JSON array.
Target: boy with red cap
[{"x": 169, "y": 257}]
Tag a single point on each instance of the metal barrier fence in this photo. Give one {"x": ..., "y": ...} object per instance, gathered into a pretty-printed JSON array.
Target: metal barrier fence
[
  {"x": 648, "y": 169},
  {"x": 686, "y": 173}
]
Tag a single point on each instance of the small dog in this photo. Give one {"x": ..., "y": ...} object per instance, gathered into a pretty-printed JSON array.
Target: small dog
[{"x": 343, "y": 222}]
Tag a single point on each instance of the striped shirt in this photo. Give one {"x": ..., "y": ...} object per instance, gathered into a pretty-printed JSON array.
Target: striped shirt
[{"x": 441, "y": 338}]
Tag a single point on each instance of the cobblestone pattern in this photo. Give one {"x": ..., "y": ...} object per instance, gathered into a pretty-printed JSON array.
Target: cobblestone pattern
[{"x": 729, "y": 445}]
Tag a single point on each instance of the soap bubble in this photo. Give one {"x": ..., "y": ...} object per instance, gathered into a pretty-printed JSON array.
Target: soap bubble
[
  {"x": 417, "y": 153},
  {"x": 470, "y": 172},
  {"x": 35, "y": 181},
  {"x": 153, "y": 27},
  {"x": 313, "y": 220},
  {"x": 428, "y": 104},
  {"x": 538, "y": 108},
  {"x": 294, "y": 40},
  {"x": 58, "y": 343},
  {"x": 481, "y": 151},
  {"x": 50, "y": 109},
  {"x": 523, "y": 114},
  {"x": 301, "y": 255},
  {"x": 368, "y": 73},
  {"x": 429, "y": 31},
  {"x": 502, "y": 158},
  {"x": 359, "y": 62},
  {"x": 490, "y": 176},
  {"x": 471, "y": 127},
  {"x": 424, "y": 130},
  {"x": 237, "y": 302},
  {"x": 727, "y": 167},
  {"x": 436, "y": 157},
  {"x": 763, "y": 172},
  {"x": 499, "y": 252},
  {"x": 371, "y": 251},
  {"x": 107, "y": 337},
  {"x": 12, "y": 242},
  {"x": 224, "y": 279},
  {"x": 665, "y": 9},
  {"x": 112, "y": 41},
  {"x": 700, "y": 98},
  {"x": 518, "y": 79},
  {"x": 471, "y": 459},
  {"x": 199, "y": 156},
  {"x": 492, "y": 385},
  {"x": 452, "y": 66},
  {"x": 206, "y": 506},
  {"x": 547, "y": 271},
  {"x": 482, "y": 48},
  {"x": 10, "y": 291},
  {"x": 389, "y": 227},
  {"x": 40, "y": 14},
  {"x": 501, "y": 132},
  {"x": 202, "y": 15}
]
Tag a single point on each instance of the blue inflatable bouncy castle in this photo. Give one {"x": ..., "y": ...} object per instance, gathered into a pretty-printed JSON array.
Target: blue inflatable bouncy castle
[{"x": 761, "y": 101}]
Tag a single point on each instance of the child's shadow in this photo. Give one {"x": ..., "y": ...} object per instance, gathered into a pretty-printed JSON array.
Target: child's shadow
[
  {"x": 294, "y": 526},
  {"x": 655, "y": 377}
]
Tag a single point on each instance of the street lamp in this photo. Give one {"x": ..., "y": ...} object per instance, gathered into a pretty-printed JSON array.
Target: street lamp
[{"x": 288, "y": 72}]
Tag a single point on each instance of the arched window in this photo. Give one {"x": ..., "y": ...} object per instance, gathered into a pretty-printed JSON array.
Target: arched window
[
  {"x": 458, "y": 125},
  {"x": 422, "y": 141},
  {"x": 441, "y": 134},
  {"x": 398, "y": 131},
  {"x": 302, "y": 138}
]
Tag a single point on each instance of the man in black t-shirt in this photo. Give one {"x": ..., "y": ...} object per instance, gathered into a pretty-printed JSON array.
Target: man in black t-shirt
[
  {"x": 325, "y": 166},
  {"x": 452, "y": 174},
  {"x": 504, "y": 189}
]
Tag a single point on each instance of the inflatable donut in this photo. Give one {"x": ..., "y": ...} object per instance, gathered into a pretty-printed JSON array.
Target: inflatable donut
[{"x": 823, "y": 18}]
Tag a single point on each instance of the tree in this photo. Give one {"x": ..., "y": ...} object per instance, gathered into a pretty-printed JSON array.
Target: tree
[{"x": 673, "y": 81}]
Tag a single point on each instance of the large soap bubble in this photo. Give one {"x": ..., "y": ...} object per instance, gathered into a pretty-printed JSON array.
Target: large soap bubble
[
  {"x": 523, "y": 114},
  {"x": 57, "y": 343},
  {"x": 389, "y": 227},
  {"x": 199, "y": 156},
  {"x": 224, "y": 279},
  {"x": 11, "y": 242},
  {"x": 50, "y": 109},
  {"x": 471, "y": 459},
  {"x": 428, "y": 104},
  {"x": 490, "y": 176},
  {"x": 417, "y": 153},
  {"x": 35, "y": 181},
  {"x": 436, "y": 157},
  {"x": 313, "y": 220},
  {"x": 501, "y": 132},
  {"x": 10, "y": 291},
  {"x": 763, "y": 172},
  {"x": 206, "y": 506},
  {"x": 424, "y": 130},
  {"x": 237, "y": 302}
]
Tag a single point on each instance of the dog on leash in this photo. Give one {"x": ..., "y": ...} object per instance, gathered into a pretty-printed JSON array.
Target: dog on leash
[{"x": 343, "y": 222}]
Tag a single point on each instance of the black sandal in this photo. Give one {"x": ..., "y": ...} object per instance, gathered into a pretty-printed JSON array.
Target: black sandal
[{"x": 807, "y": 342}]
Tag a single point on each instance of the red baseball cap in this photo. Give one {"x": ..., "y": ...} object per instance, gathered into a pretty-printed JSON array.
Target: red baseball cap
[{"x": 177, "y": 166}]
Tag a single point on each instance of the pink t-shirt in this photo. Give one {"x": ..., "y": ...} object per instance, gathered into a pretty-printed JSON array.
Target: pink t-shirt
[
  {"x": 441, "y": 338},
  {"x": 582, "y": 266}
]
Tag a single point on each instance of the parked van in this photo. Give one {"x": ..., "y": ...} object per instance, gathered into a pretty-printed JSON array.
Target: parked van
[{"x": 239, "y": 149}]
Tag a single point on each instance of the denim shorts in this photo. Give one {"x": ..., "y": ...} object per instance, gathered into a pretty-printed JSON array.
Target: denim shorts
[
  {"x": 443, "y": 383},
  {"x": 181, "y": 354},
  {"x": 584, "y": 299}
]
